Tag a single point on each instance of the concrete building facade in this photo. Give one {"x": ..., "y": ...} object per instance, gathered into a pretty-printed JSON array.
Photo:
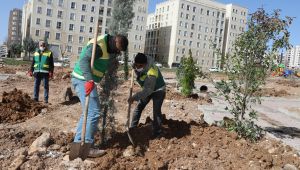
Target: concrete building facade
[
  {"x": 14, "y": 26},
  {"x": 180, "y": 25},
  {"x": 3, "y": 51},
  {"x": 69, "y": 24},
  {"x": 292, "y": 57}
]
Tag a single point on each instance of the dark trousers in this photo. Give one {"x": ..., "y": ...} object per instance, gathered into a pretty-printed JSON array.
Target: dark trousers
[
  {"x": 38, "y": 77},
  {"x": 157, "y": 98}
]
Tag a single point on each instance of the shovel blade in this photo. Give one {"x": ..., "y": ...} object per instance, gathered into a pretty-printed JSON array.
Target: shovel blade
[{"x": 77, "y": 150}]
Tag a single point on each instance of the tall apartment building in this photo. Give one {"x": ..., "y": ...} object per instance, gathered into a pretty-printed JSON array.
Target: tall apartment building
[
  {"x": 180, "y": 25},
  {"x": 3, "y": 51},
  {"x": 292, "y": 57},
  {"x": 14, "y": 26},
  {"x": 69, "y": 24}
]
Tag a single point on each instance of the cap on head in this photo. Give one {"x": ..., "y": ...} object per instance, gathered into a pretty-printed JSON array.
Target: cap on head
[
  {"x": 42, "y": 43},
  {"x": 122, "y": 42},
  {"x": 140, "y": 58}
]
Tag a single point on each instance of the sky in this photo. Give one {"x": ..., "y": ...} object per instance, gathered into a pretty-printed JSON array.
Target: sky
[{"x": 288, "y": 7}]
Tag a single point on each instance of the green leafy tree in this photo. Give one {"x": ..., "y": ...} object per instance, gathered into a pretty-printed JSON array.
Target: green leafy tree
[
  {"x": 186, "y": 74},
  {"x": 121, "y": 21},
  {"x": 247, "y": 67},
  {"x": 29, "y": 46},
  {"x": 15, "y": 49}
]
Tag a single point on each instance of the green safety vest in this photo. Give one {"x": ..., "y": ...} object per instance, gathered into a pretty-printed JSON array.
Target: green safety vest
[
  {"x": 153, "y": 71},
  {"x": 100, "y": 63},
  {"x": 42, "y": 61}
]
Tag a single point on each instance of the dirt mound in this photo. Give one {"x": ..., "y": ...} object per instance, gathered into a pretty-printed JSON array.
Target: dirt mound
[
  {"x": 288, "y": 82},
  {"x": 269, "y": 92},
  {"x": 192, "y": 146},
  {"x": 14, "y": 69},
  {"x": 17, "y": 106},
  {"x": 173, "y": 95}
]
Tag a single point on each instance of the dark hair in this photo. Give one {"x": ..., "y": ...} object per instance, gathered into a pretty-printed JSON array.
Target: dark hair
[
  {"x": 124, "y": 41},
  {"x": 140, "y": 58}
]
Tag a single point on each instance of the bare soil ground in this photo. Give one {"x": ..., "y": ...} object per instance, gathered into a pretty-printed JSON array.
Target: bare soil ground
[{"x": 187, "y": 143}]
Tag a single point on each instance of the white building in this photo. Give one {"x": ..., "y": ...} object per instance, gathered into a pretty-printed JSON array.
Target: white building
[
  {"x": 69, "y": 24},
  {"x": 3, "y": 51},
  {"x": 292, "y": 57},
  {"x": 180, "y": 25}
]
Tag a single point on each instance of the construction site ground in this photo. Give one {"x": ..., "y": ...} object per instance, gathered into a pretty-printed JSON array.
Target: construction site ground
[{"x": 191, "y": 140}]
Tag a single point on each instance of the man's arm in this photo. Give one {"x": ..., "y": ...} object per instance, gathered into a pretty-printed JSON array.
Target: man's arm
[
  {"x": 85, "y": 62},
  {"x": 148, "y": 89},
  {"x": 32, "y": 65}
]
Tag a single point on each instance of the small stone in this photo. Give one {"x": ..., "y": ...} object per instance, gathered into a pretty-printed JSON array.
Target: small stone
[
  {"x": 289, "y": 167},
  {"x": 40, "y": 144},
  {"x": 89, "y": 162},
  {"x": 2, "y": 156},
  {"x": 271, "y": 150},
  {"x": 54, "y": 147},
  {"x": 63, "y": 149},
  {"x": 194, "y": 144},
  {"x": 169, "y": 147},
  {"x": 43, "y": 111},
  {"x": 18, "y": 162},
  {"x": 129, "y": 151},
  {"x": 66, "y": 158}
]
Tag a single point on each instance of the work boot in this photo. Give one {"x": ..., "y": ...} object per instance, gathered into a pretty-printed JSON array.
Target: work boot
[{"x": 94, "y": 153}]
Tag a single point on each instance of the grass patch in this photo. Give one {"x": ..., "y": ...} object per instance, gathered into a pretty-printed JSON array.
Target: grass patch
[{"x": 11, "y": 61}]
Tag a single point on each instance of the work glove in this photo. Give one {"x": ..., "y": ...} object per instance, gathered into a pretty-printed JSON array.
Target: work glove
[
  {"x": 50, "y": 74},
  {"x": 89, "y": 86},
  {"x": 30, "y": 73}
]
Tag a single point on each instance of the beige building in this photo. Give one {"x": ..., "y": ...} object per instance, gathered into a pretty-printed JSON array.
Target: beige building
[
  {"x": 14, "y": 26},
  {"x": 292, "y": 57},
  {"x": 69, "y": 24},
  {"x": 3, "y": 51},
  {"x": 180, "y": 25}
]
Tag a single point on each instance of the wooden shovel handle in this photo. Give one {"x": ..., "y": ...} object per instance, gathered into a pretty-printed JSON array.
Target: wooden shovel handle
[{"x": 87, "y": 98}]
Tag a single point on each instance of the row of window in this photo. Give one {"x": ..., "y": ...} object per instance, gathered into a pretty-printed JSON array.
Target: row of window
[
  {"x": 49, "y": 12},
  {"x": 206, "y": 29},
  {"x": 202, "y": 11},
  {"x": 73, "y": 4}
]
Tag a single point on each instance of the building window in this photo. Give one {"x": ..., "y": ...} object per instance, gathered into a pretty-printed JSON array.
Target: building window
[
  {"x": 83, "y": 8},
  {"x": 91, "y": 30},
  {"x": 70, "y": 38},
  {"x": 82, "y": 18},
  {"x": 39, "y": 10},
  {"x": 101, "y": 2},
  {"x": 73, "y": 5},
  {"x": 193, "y": 26},
  {"x": 57, "y": 36},
  {"x": 93, "y": 9},
  {"x": 194, "y": 9},
  {"x": 178, "y": 41},
  {"x": 183, "y": 50},
  {"x": 207, "y": 13},
  {"x": 186, "y": 25},
  {"x": 81, "y": 28},
  {"x": 193, "y": 18},
  {"x": 59, "y": 14},
  {"x": 79, "y": 50},
  {"x": 81, "y": 39},
  {"x": 108, "y": 11},
  {"x": 49, "y": 2},
  {"x": 69, "y": 49},
  {"x": 179, "y": 32},
  {"x": 181, "y": 14},
  {"x": 48, "y": 23},
  {"x": 92, "y": 19},
  {"x": 37, "y": 32},
  {"x": 60, "y": 3},
  {"x": 188, "y": 7},
  {"x": 38, "y": 21},
  {"x": 58, "y": 25},
  {"x": 191, "y": 43},
  {"x": 47, "y": 34},
  {"x": 182, "y": 6},
  {"x": 71, "y": 27},
  {"x": 184, "y": 41},
  {"x": 72, "y": 16},
  {"x": 49, "y": 12},
  {"x": 187, "y": 16},
  {"x": 185, "y": 33},
  {"x": 101, "y": 10}
]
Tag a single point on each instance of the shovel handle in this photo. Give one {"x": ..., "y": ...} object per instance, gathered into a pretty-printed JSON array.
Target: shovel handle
[
  {"x": 87, "y": 98},
  {"x": 129, "y": 104}
]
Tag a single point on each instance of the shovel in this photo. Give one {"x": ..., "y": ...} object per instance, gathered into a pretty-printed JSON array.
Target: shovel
[
  {"x": 81, "y": 150},
  {"x": 129, "y": 110}
]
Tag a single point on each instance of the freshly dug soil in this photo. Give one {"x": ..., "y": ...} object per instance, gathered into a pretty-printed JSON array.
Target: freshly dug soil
[
  {"x": 272, "y": 92},
  {"x": 17, "y": 106}
]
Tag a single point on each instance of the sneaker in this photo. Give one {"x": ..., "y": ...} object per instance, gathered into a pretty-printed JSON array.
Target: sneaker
[{"x": 94, "y": 153}]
